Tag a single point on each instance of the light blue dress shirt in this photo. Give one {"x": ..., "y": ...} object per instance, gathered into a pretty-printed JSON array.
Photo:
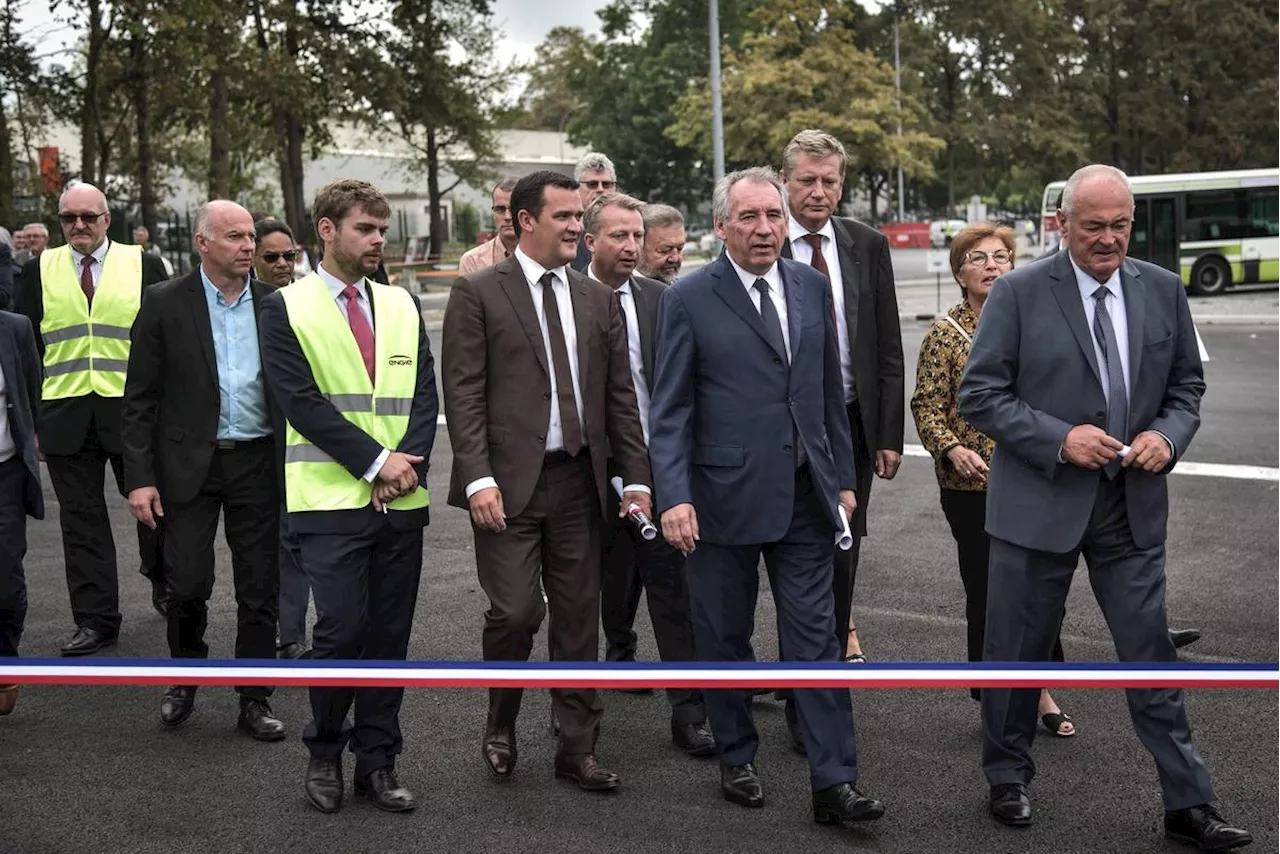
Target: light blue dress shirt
[{"x": 242, "y": 400}]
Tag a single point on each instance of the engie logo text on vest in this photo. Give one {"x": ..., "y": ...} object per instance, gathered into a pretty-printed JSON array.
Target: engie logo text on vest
[{"x": 399, "y": 361}]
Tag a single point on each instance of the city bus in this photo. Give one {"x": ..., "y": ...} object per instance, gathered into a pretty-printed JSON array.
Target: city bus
[{"x": 1215, "y": 229}]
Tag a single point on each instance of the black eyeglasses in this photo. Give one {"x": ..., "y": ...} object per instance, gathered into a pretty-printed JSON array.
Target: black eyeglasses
[
  {"x": 87, "y": 218},
  {"x": 499, "y": 210},
  {"x": 600, "y": 185},
  {"x": 272, "y": 257}
]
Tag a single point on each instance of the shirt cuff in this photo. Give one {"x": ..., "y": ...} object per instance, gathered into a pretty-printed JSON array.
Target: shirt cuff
[
  {"x": 372, "y": 474},
  {"x": 483, "y": 483},
  {"x": 1061, "y": 458},
  {"x": 1173, "y": 451},
  {"x": 637, "y": 487}
]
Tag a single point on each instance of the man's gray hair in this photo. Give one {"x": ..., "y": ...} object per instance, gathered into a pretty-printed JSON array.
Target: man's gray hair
[
  {"x": 208, "y": 211},
  {"x": 593, "y": 161},
  {"x": 756, "y": 175},
  {"x": 591, "y": 219},
  {"x": 507, "y": 184},
  {"x": 1084, "y": 173},
  {"x": 37, "y": 227},
  {"x": 661, "y": 216},
  {"x": 5, "y": 237},
  {"x": 815, "y": 143}
]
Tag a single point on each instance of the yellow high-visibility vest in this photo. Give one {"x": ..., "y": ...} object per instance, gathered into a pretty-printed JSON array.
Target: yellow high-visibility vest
[
  {"x": 87, "y": 349},
  {"x": 313, "y": 479}
]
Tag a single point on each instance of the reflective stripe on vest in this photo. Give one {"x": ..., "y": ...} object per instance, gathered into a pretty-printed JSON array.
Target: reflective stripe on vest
[
  {"x": 313, "y": 479},
  {"x": 87, "y": 349}
]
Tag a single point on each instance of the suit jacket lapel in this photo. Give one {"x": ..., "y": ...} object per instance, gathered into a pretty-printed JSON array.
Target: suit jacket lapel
[
  {"x": 198, "y": 303},
  {"x": 582, "y": 322},
  {"x": 1067, "y": 293},
  {"x": 794, "y": 296},
  {"x": 851, "y": 272},
  {"x": 511, "y": 279},
  {"x": 10, "y": 368},
  {"x": 1135, "y": 308},
  {"x": 647, "y": 323},
  {"x": 729, "y": 288}
]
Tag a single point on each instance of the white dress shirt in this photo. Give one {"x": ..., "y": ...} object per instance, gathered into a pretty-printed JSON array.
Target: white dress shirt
[
  {"x": 336, "y": 286},
  {"x": 776, "y": 295},
  {"x": 8, "y": 449},
  {"x": 99, "y": 258},
  {"x": 634, "y": 353},
  {"x": 803, "y": 252}
]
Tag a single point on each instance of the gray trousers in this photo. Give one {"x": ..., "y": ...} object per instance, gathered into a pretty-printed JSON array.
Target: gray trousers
[
  {"x": 295, "y": 587},
  {"x": 1027, "y": 590}
]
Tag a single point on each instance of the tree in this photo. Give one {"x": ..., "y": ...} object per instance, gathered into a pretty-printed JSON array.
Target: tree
[
  {"x": 550, "y": 98},
  {"x": 799, "y": 67},
  {"x": 434, "y": 85},
  {"x": 17, "y": 70}
]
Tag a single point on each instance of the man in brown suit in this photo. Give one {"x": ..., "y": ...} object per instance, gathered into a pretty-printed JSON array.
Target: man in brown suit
[{"x": 538, "y": 394}]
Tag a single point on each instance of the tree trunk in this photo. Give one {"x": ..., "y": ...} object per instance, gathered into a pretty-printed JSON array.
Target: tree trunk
[
  {"x": 89, "y": 120},
  {"x": 295, "y": 204},
  {"x": 433, "y": 195},
  {"x": 219, "y": 146},
  {"x": 140, "y": 79},
  {"x": 6, "y": 171}
]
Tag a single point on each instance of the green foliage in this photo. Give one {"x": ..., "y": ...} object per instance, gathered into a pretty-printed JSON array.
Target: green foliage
[{"x": 466, "y": 223}]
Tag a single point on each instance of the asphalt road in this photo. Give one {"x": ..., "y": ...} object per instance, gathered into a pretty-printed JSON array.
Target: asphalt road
[{"x": 91, "y": 769}]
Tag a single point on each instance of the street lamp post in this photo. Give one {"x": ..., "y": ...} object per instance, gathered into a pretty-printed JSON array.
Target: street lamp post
[
  {"x": 717, "y": 111},
  {"x": 897, "y": 85}
]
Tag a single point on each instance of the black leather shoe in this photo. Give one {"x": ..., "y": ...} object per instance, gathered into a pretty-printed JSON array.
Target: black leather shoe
[
  {"x": 160, "y": 598},
  {"x": 741, "y": 785},
  {"x": 87, "y": 641},
  {"x": 178, "y": 704},
  {"x": 583, "y": 770},
  {"x": 8, "y": 698},
  {"x": 499, "y": 751},
  {"x": 1010, "y": 804},
  {"x": 842, "y": 803},
  {"x": 1183, "y": 637},
  {"x": 324, "y": 784},
  {"x": 257, "y": 720},
  {"x": 386, "y": 793},
  {"x": 793, "y": 728},
  {"x": 291, "y": 651},
  {"x": 693, "y": 739},
  {"x": 1204, "y": 827}
]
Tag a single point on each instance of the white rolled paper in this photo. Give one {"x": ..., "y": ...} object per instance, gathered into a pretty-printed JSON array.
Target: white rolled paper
[{"x": 844, "y": 539}]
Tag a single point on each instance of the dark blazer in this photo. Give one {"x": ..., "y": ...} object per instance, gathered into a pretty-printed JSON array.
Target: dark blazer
[
  {"x": 23, "y": 376},
  {"x": 875, "y": 337},
  {"x": 497, "y": 386},
  {"x": 64, "y": 423},
  {"x": 8, "y": 277},
  {"x": 293, "y": 385},
  {"x": 1032, "y": 375},
  {"x": 726, "y": 407},
  {"x": 647, "y": 293},
  {"x": 169, "y": 421}
]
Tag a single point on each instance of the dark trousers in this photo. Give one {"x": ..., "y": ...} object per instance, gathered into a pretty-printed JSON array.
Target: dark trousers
[
  {"x": 13, "y": 548},
  {"x": 846, "y": 562},
  {"x": 366, "y": 588},
  {"x": 723, "y": 585},
  {"x": 295, "y": 586},
  {"x": 1025, "y": 598},
  {"x": 659, "y": 570},
  {"x": 966, "y": 513},
  {"x": 556, "y": 539},
  {"x": 241, "y": 484},
  {"x": 620, "y": 592},
  {"x": 88, "y": 549}
]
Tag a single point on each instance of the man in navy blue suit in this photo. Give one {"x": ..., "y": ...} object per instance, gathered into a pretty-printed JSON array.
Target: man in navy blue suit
[{"x": 750, "y": 450}]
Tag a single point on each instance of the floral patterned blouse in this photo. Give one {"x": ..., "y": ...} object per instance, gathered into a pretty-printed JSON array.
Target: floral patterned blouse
[{"x": 935, "y": 405}]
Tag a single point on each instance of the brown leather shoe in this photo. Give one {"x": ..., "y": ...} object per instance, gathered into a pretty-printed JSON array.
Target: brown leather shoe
[
  {"x": 582, "y": 769},
  {"x": 499, "y": 751},
  {"x": 8, "y": 698}
]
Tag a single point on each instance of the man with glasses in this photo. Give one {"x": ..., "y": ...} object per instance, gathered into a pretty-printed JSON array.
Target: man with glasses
[
  {"x": 81, "y": 299},
  {"x": 595, "y": 176},
  {"x": 503, "y": 243},
  {"x": 276, "y": 253}
]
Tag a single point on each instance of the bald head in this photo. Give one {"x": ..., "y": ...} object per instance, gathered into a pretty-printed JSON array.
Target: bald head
[
  {"x": 82, "y": 211},
  {"x": 1096, "y": 218},
  {"x": 224, "y": 237}
]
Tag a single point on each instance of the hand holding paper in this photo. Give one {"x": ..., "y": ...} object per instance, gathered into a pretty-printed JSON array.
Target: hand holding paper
[{"x": 635, "y": 513}]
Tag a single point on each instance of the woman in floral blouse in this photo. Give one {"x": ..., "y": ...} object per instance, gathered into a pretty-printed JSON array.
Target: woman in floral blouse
[{"x": 979, "y": 253}]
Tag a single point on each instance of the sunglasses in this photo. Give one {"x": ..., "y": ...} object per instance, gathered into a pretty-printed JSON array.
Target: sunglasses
[
  {"x": 272, "y": 257},
  {"x": 600, "y": 185},
  {"x": 87, "y": 218}
]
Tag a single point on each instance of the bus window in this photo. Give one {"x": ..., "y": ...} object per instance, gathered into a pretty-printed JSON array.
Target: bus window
[{"x": 1232, "y": 214}]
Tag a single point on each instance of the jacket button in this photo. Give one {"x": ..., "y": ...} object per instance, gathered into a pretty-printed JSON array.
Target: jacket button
[
  {"x": 542, "y": 438},
  {"x": 1099, "y": 414},
  {"x": 777, "y": 361},
  {"x": 786, "y": 448},
  {"x": 546, "y": 395}
]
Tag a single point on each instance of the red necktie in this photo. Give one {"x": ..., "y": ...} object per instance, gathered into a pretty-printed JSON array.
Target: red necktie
[
  {"x": 819, "y": 263},
  {"x": 86, "y": 278},
  {"x": 360, "y": 328}
]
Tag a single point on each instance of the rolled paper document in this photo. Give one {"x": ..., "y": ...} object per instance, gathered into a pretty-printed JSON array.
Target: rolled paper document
[
  {"x": 844, "y": 539},
  {"x": 637, "y": 516},
  {"x": 1124, "y": 451}
]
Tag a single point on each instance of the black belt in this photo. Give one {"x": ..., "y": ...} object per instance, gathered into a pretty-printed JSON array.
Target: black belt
[
  {"x": 552, "y": 459},
  {"x": 232, "y": 444}
]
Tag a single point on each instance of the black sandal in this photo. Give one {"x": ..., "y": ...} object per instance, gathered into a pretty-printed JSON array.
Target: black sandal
[{"x": 1053, "y": 722}]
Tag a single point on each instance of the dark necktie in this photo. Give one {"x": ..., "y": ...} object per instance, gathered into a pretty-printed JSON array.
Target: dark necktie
[
  {"x": 86, "y": 278},
  {"x": 570, "y": 426},
  {"x": 772, "y": 324},
  {"x": 1117, "y": 394},
  {"x": 360, "y": 328},
  {"x": 622, "y": 310},
  {"x": 819, "y": 263}
]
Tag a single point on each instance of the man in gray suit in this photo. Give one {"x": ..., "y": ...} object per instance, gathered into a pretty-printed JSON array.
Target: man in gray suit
[{"x": 1087, "y": 422}]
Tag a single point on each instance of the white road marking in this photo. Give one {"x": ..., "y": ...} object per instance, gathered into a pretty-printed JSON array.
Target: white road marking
[{"x": 1232, "y": 472}]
